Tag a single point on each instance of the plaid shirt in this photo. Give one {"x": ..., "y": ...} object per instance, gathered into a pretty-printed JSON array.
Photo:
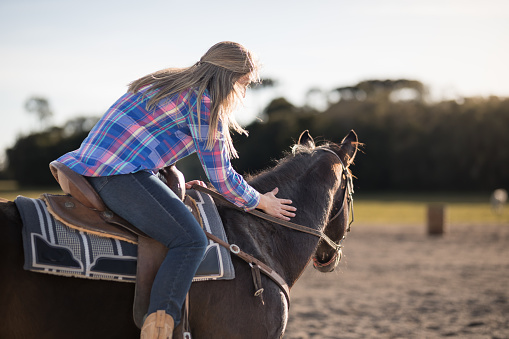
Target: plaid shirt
[{"x": 128, "y": 138}]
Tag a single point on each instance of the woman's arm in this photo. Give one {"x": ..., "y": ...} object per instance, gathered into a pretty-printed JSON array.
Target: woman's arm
[{"x": 217, "y": 166}]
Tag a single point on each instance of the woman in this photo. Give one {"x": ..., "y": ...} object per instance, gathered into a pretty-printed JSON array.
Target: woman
[{"x": 162, "y": 118}]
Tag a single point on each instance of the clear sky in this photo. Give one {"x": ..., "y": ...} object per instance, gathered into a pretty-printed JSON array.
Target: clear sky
[{"x": 80, "y": 55}]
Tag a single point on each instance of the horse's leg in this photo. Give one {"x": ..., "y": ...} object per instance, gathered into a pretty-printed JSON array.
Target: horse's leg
[
  {"x": 228, "y": 309},
  {"x": 42, "y": 306}
]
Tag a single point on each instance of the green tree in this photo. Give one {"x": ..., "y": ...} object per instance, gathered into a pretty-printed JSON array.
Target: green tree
[{"x": 383, "y": 90}]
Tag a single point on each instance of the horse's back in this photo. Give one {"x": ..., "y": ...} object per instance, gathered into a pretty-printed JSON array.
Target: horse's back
[{"x": 11, "y": 250}]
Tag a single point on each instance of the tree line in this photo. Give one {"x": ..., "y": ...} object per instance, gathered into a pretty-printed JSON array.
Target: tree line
[{"x": 409, "y": 143}]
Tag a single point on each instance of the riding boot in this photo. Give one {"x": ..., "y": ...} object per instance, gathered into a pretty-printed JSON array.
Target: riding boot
[{"x": 158, "y": 325}]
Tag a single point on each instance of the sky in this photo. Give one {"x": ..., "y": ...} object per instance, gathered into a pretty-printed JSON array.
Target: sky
[{"x": 80, "y": 55}]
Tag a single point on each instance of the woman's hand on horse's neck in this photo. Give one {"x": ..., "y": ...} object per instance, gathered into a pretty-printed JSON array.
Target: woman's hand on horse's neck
[{"x": 279, "y": 208}]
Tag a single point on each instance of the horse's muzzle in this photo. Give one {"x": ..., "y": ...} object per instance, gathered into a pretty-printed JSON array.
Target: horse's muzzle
[{"x": 328, "y": 266}]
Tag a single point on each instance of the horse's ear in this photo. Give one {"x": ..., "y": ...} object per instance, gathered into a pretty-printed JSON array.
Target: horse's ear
[
  {"x": 348, "y": 148},
  {"x": 305, "y": 139}
]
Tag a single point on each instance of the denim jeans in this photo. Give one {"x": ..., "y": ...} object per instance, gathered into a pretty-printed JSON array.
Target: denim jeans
[{"x": 147, "y": 203}]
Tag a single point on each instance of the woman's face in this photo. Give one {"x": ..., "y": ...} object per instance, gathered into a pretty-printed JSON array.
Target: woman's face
[{"x": 243, "y": 82}]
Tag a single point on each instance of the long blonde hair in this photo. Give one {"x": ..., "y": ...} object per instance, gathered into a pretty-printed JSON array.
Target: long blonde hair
[{"x": 218, "y": 71}]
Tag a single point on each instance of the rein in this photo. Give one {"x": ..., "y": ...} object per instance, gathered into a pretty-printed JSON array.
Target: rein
[{"x": 263, "y": 215}]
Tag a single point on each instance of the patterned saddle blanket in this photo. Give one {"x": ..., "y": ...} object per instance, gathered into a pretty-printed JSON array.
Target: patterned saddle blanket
[{"x": 54, "y": 248}]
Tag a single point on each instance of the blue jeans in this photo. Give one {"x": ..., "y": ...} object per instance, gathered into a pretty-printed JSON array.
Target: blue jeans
[{"x": 147, "y": 203}]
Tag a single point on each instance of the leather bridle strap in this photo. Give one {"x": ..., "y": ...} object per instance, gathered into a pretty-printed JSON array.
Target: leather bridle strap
[{"x": 254, "y": 263}]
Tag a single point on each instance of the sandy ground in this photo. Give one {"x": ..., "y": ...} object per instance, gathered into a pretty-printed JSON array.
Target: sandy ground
[{"x": 398, "y": 282}]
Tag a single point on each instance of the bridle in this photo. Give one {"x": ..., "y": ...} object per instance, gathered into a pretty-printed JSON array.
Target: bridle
[
  {"x": 347, "y": 193},
  {"x": 347, "y": 199}
]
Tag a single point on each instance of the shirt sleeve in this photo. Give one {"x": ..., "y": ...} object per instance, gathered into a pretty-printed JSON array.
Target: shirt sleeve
[{"x": 216, "y": 161}]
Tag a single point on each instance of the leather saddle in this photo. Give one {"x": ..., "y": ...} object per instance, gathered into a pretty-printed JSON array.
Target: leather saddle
[{"x": 83, "y": 209}]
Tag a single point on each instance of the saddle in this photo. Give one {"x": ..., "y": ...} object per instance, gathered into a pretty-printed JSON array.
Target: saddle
[{"x": 83, "y": 209}]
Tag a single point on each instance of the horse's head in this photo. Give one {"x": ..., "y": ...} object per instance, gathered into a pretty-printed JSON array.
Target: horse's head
[{"x": 327, "y": 256}]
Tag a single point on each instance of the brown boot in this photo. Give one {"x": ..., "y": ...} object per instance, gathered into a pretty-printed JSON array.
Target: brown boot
[{"x": 158, "y": 325}]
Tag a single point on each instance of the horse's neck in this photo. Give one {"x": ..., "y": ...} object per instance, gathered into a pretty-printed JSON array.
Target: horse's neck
[
  {"x": 285, "y": 250},
  {"x": 292, "y": 251}
]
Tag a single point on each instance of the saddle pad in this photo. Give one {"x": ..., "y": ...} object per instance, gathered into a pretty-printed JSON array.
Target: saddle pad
[{"x": 54, "y": 248}]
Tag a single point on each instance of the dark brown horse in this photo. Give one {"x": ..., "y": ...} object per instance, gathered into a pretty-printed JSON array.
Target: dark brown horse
[{"x": 34, "y": 305}]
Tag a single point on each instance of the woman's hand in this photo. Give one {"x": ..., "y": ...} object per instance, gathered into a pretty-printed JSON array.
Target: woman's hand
[
  {"x": 191, "y": 183},
  {"x": 279, "y": 208}
]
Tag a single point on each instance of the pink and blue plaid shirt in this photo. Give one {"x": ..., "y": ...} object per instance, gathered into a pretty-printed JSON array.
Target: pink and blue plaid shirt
[{"x": 128, "y": 138}]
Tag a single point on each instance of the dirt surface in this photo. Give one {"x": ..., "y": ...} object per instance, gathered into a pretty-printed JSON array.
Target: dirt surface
[{"x": 398, "y": 282}]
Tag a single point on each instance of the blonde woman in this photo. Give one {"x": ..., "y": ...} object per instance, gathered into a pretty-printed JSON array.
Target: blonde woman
[{"x": 166, "y": 116}]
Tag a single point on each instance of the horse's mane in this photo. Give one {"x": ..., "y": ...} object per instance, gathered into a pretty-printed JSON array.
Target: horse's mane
[{"x": 290, "y": 165}]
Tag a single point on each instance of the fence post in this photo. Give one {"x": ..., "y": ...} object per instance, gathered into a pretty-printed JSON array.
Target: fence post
[{"x": 436, "y": 219}]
